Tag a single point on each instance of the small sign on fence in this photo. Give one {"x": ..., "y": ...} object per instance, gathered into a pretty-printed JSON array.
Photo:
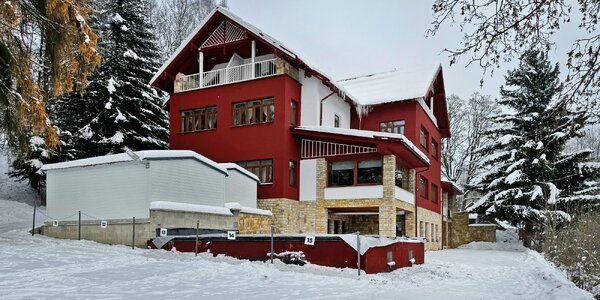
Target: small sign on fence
[
  {"x": 163, "y": 232},
  {"x": 55, "y": 223},
  {"x": 103, "y": 224},
  {"x": 309, "y": 240},
  {"x": 231, "y": 235}
]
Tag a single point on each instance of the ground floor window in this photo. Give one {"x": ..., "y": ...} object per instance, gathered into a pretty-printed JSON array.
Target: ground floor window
[
  {"x": 263, "y": 169},
  {"x": 347, "y": 173}
]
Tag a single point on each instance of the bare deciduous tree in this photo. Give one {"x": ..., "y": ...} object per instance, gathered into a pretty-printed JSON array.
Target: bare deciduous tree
[
  {"x": 498, "y": 31},
  {"x": 174, "y": 20}
]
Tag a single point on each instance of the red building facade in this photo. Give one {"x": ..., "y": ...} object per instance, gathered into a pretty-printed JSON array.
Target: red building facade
[{"x": 361, "y": 154}]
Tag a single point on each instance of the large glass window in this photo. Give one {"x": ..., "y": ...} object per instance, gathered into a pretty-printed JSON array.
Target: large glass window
[
  {"x": 341, "y": 173},
  {"x": 369, "y": 172},
  {"x": 263, "y": 169},
  {"x": 254, "y": 112},
  {"x": 199, "y": 119},
  {"x": 346, "y": 173},
  {"x": 392, "y": 126}
]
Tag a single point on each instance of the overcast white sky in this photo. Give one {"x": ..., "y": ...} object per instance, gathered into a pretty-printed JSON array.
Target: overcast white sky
[{"x": 357, "y": 37}]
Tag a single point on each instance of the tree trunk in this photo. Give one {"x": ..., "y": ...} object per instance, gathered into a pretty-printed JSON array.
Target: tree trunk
[{"x": 528, "y": 234}]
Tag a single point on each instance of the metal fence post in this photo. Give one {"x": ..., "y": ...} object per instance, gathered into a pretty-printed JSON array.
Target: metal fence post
[
  {"x": 133, "y": 235},
  {"x": 197, "y": 229},
  {"x": 33, "y": 226},
  {"x": 272, "y": 230},
  {"x": 358, "y": 250},
  {"x": 79, "y": 227}
]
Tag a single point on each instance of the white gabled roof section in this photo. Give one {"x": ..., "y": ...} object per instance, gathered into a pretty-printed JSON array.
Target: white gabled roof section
[
  {"x": 391, "y": 86},
  {"x": 230, "y": 166},
  {"x": 367, "y": 134},
  {"x": 143, "y": 155}
]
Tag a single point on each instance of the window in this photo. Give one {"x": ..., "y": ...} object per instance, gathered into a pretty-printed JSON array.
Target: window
[
  {"x": 292, "y": 173},
  {"x": 437, "y": 233},
  {"x": 421, "y": 233},
  {"x": 199, "y": 119},
  {"x": 472, "y": 218},
  {"x": 347, "y": 173},
  {"x": 263, "y": 169},
  {"x": 424, "y": 137},
  {"x": 392, "y": 127},
  {"x": 336, "y": 121},
  {"x": 434, "y": 148},
  {"x": 433, "y": 232},
  {"x": 254, "y": 112},
  {"x": 369, "y": 172},
  {"x": 294, "y": 113},
  {"x": 423, "y": 187},
  {"x": 427, "y": 232},
  {"x": 434, "y": 193}
]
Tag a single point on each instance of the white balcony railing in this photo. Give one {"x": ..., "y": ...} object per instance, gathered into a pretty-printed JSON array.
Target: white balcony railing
[{"x": 233, "y": 74}]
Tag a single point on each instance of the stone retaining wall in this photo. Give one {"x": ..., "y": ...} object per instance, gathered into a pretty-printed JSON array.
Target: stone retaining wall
[{"x": 462, "y": 233}]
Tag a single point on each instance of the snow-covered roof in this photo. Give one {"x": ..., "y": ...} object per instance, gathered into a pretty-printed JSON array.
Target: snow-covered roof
[
  {"x": 187, "y": 207},
  {"x": 248, "y": 210},
  {"x": 256, "y": 31},
  {"x": 367, "y": 134},
  {"x": 452, "y": 184},
  {"x": 143, "y": 155},
  {"x": 230, "y": 166},
  {"x": 396, "y": 85}
]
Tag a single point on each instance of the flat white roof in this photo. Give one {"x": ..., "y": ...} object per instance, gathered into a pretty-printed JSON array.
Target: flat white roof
[
  {"x": 366, "y": 134},
  {"x": 396, "y": 85},
  {"x": 144, "y": 155}
]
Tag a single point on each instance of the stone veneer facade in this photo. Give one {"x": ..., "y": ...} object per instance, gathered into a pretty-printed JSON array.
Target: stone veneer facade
[{"x": 291, "y": 216}]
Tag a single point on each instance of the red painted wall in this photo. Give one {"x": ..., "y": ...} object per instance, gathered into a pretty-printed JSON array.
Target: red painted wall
[
  {"x": 252, "y": 142},
  {"x": 415, "y": 117},
  {"x": 332, "y": 253}
]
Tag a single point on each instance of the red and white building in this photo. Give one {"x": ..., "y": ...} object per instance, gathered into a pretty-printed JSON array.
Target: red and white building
[{"x": 360, "y": 154}]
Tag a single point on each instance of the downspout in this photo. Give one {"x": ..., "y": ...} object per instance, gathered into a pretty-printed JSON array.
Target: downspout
[{"x": 321, "y": 108}]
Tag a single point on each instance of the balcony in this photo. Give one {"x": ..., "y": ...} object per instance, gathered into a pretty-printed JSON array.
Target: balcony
[{"x": 233, "y": 74}]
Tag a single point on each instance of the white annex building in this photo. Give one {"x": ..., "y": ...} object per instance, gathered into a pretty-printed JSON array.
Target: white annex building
[{"x": 123, "y": 186}]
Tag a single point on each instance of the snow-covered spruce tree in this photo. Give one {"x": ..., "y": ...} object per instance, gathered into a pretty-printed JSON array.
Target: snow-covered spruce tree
[
  {"x": 124, "y": 110},
  {"x": 119, "y": 108},
  {"x": 528, "y": 177}
]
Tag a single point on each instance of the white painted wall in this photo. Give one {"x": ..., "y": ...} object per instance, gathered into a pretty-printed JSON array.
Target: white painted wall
[
  {"x": 354, "y": 192},
  {"x": 114, "y": 191},
  {"x": 335, "y": 105},
  {"x": 240, "y": 188},
  {"x": 186, "y": 181},
  {"x": 125, "y": 190},
  {"x": 308, "y": 180},
  {"x": 404, "y": 195}
]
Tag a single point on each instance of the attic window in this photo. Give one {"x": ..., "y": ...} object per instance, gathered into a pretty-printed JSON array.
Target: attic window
[{"x": 336, "y": 121}]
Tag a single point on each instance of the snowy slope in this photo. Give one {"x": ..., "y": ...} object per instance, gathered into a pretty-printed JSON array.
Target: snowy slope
[
  {"x": 12, "y": 190},
  {"x": 44, "y": 268}
]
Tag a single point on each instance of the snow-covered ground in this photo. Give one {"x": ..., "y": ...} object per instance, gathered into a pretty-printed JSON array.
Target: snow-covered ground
[{"x": 38, "y": 267}]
